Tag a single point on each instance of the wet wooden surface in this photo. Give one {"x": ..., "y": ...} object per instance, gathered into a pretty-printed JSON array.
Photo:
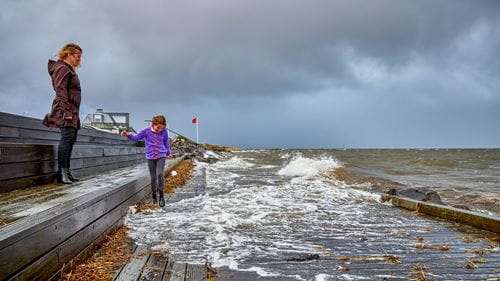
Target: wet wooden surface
[
  {"x": 159, "y": 267},
  {"x": 476, "y": 219},
  {"x": 27, "y": 165},
  {"x": 53, "y": 230}
]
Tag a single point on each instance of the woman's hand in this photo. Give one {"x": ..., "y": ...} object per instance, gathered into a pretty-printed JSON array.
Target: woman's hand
[{"x": 125, "y": 133}]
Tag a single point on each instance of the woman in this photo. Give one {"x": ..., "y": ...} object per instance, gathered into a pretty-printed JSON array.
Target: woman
[{"x": 66, "y": 106}]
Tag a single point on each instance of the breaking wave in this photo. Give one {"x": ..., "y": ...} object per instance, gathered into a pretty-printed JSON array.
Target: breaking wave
[{"x": 301, "y": 166}]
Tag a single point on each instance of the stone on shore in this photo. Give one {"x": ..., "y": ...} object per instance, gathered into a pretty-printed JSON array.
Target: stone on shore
[{"x": 424, "y": 194}]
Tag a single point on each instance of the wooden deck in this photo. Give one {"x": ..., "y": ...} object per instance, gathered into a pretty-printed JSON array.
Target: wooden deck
[
  {"x": 159, "y": 267},
  {"x": 51, "y": 224}
]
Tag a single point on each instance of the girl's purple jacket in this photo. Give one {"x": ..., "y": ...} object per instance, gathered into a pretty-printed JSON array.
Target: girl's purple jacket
[{"x": 157, "y": 145}]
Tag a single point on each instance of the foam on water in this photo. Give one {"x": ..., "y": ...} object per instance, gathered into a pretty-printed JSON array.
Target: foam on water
[
  {"x": 234, "y": 162},
  {"x": 210, "y": 153},
  {"x": 323, "y": 277},
  {"x": 300, "y": 166}
]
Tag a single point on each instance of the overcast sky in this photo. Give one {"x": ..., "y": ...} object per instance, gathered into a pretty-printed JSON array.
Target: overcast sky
[{"x": 269, "y": 74}]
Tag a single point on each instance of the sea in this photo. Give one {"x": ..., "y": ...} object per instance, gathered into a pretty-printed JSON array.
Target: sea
[{"x": 264, "y": 210}]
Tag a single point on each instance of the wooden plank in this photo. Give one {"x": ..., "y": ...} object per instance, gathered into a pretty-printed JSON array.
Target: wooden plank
[
  {"x": 39, "y": 134},
  {"x": 87, "y": 152},
  {"x": 12, "y": 153},
  {"x": 133, "y": 269},
  {"x": 40, "y": 269},
  {"x": 196, "y": 272},
  {"x": 9, "y": 132},
  {"x": 26, "y": 182},
  {"x": 119, "y": 270},
  {"x": 154, "y": 269},
  {"x": 18, "y": 170},
  {"x": 99, "y": 161},
  {"x": 167, "y": 274},
  {"x": 28, "y": 141},
  {"x": 476, "y": 219},
  {"x": 178, "y": 272},
  {"x": 112, "y": 151}
]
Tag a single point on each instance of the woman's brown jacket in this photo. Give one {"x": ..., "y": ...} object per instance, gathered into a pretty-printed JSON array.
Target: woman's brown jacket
[{"x": 68, "y": 96}]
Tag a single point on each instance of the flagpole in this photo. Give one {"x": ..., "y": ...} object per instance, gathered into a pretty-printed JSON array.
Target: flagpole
[{"x": 197, "y": 121}]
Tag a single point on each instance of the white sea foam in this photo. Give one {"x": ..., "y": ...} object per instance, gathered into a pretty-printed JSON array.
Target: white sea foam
[
  {"x": 306, "y": 167},
  {"x": 260, "y": 271},
  {"x": 233, "y": 162},
  {"x": 210, "y": 153},
  {"x": 323, "y": 277}
]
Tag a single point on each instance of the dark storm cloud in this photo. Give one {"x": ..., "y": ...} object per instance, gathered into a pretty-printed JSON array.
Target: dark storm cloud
[{"x": 341, "y": 61}]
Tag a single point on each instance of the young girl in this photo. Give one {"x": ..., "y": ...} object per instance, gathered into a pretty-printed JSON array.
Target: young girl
[{"x": 157, "y": 149}]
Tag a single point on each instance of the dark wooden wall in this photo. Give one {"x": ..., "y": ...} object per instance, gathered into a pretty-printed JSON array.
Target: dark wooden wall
[
  {"x": 28, "y": 152},
  {"x": 21, "y": 129}
]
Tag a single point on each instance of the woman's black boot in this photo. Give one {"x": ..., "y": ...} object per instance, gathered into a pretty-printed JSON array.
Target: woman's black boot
[
  {"x": 71, "y": 177},
  {"x": 64, "y": 176}
]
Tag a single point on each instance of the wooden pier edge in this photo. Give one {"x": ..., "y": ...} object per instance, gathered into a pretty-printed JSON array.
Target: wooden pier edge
[
  {"x": 65, "y": 237},
  {"x": 475, "y": 219}
]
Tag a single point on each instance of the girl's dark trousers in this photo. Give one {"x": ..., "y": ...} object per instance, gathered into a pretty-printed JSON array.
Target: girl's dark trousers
[
  {"x": 68, "y": 139},
  {"x": 156, "y": 171}
]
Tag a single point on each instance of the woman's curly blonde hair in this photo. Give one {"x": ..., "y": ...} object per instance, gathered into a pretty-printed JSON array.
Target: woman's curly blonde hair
[{"x": 68, "y": 49}]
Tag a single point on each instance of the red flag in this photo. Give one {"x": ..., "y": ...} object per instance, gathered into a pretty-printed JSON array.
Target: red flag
[{"x": 194, "y": 121}]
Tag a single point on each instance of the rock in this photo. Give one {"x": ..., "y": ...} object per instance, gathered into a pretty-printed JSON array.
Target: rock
[
  {"x": 424, "y": 194},
  {"x": 306, "y": 257},
  {"x": 182, "y": 146},
  {"x": 392, "y": 191}
]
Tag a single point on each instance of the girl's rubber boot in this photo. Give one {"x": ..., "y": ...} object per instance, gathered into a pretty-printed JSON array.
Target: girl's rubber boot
[
  {"x": 154, "y": 198},
  {"x": 162, "y": 199}
]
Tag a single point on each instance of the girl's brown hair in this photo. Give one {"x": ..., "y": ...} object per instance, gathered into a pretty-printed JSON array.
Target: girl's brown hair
[
  {"x": 68, "y": 49},
  {"x": 159, "y": 119}
]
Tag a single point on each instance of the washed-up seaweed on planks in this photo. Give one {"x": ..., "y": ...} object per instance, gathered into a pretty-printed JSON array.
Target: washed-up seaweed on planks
[
  {"x": 142, "y": 207},
  {"x": 472, "y": 263},
  {"x": 479, "y": 251},
  {"x": 110, "y": 254},
  {"x": 419, "y": 272}
]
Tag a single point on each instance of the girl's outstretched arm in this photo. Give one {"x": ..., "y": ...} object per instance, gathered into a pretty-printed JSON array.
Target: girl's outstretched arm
[{"x": 139, "y": 136}]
